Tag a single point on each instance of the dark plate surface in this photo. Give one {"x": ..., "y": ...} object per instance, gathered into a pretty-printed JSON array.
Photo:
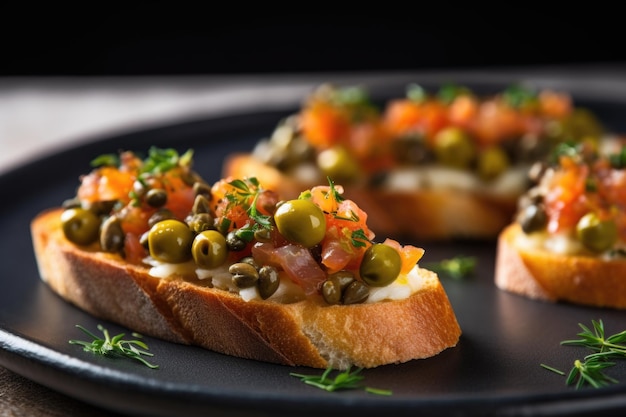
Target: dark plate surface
[{"x": 494, "y": 370}]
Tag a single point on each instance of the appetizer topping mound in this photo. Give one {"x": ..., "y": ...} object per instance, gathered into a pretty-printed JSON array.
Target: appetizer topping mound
[
  {"x": 578, "y": 202},
  {"x": 235, "y": 234},
  {"x": 340, "y": 133}
]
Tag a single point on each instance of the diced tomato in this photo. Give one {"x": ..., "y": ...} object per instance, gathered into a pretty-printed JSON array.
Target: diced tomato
[
  {"x": 463, "y": 110},
  {"x": 409, "y": 254},
  {"x": 324, "y": 125},
  {"x": 566, "y": 202},
  {"x": 556, "y": 105},
  {"x": 180, "y": 195},
  {"x": 495, "y": 122},
  {"x": 106, "y": 184},
  {"x": 133, "y": 249},
  {"x": 403, "y": 117},
  {"x": 135, "y": 219}
]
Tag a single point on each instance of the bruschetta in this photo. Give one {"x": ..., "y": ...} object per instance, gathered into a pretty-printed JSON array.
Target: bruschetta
[
  {"x": 232, "y": 267},
  {"x": 432, "y": 165},
  {"x": 568, "y": 240}
]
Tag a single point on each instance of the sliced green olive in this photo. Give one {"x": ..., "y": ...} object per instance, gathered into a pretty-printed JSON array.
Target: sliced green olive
[
  {"x": 301, "y": 222},
  {"x": 380, "y": 266},
  {"x": 209, "y": 249},
  {"x": 454, "y": 148},
  {"x": 80, "y": 226},
  {"x": 595, "y": 234},
  {"x": 170, "y": 241}
]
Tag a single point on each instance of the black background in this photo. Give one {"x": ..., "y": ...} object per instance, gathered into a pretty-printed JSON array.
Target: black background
[{"x": 195, "y": 41}]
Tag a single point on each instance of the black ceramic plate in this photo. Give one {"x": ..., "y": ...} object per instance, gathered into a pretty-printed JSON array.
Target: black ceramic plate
[{"x": 494, "y": 370}]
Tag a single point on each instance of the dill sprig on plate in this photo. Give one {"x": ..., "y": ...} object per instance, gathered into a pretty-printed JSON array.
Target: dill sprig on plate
[{"x": 115, "y": 346}]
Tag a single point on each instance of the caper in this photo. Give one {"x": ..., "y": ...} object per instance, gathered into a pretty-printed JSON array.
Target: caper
[
  {"x": 80, "y": 226},
  {"x": 263, "y": 235},
  {"x": 160, "y": 215},
  {"x": 492, "y": 162},
  {"x": 301, "y": 222},
  {"x": 338, "y": 164},
  {"x": 209, "y": 249},
  {"x": 250, "y": 260},
  {"x": 380, "y": 266},
  {"x": 234, "y": 242},
  {"x": 453, "y": 147},
  {"x": 331, "y": 292},
  {"x": 200, "y": 222},
  {"x": 156, "y": 197},
  {"x": 355, "y": 293},
  {"x": 112, "y": 235},
  {"x": 244, "y": 274},
  {"x": 533, "y": 218},
  {"x": 170, "y": 241},
  {"x": 100, "y": 207},
  {"x": 595, "y": 234},
  {"x": 71, "y": 203},
  {"x": 342, "y": 279},
  {"x": 334, "y": 287},
  {"x": 268, "y": 281},
  {"x": 201, "y": 188},
  {"x": 200, "y": 204},
  {"x": 139, "y": 188}
]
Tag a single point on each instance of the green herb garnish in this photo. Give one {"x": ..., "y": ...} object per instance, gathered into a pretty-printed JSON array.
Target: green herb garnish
[
  {"x": 343, "y": 380},
  {"x": 108, "y": 159},
  {"x": 450, "y": 91},
  {"x": 457, "y": 267},
  {"x": 246, "y": 190},
  {"x": 517, "y": 96},
  {"x": 590, "y": 370},
  {"x": 618, "y": 159},
  {"x": 115, "y": 346},
  {"x": 159, "y": 161}
]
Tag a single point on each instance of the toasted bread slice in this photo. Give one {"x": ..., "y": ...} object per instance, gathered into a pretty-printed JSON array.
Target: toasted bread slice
[
  {"x": 188, "y": 311},
  {"x": 543, "y": 275}
]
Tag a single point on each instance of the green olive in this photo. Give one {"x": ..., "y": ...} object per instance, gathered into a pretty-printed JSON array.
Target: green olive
[
  {"x": 595, "y": 234},
  {"x": 209, "y": 249},
  {"x": 338, "y": 164},
  {"x": 492, "y": 162},
  {"x": 80, "y": 226},
  {"x": 301, "y": 222},
  {"x": 454, "y": 148},
  {"x": 170, "y": 241},
  {"x": 380, "y": 266}
]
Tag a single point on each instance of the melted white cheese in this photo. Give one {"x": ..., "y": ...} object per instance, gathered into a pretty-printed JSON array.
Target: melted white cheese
[
  {"x": 288, "y": 291},
  {"x": 400, "y": 289},
  {"x": 511, "y": 182}
]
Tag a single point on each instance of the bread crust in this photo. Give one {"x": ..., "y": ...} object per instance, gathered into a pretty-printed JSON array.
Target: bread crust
[
  {"x": 542, "y": 275},
  {"x": 182, "y": 310},
  {"x": 436, "y": 214}
]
